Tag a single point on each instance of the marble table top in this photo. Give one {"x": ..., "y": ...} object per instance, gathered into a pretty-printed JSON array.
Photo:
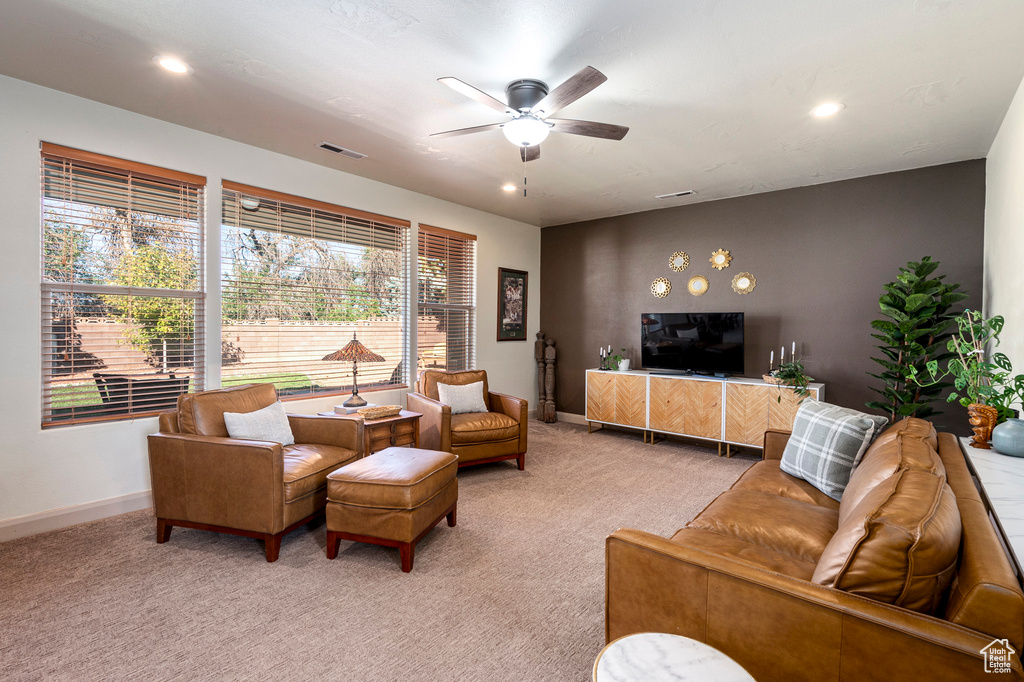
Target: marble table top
[
  {"x": 1002, "y": 478},
  {"x": 658, "y": 657}
]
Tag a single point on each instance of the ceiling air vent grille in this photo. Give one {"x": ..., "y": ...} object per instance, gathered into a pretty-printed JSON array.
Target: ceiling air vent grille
[
  {"x": 341, "y": 150},
  {"x": 672, "y": 195}
]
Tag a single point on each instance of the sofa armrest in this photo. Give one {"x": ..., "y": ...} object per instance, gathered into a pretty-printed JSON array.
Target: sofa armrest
[
  {"x": 342, "y": 432},
  {"x": 774, "y": 443},
  {"x": 435, "y": 424},
  {"x": 218, "y": 481},
  {"x": 517, "y": 408},
  {"x": 776, "y": 626}
]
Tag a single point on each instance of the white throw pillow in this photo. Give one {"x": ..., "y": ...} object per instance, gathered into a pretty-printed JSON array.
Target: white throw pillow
[
  {"x": 270, "y": 423},
  {"x": 463, "y": 399}
]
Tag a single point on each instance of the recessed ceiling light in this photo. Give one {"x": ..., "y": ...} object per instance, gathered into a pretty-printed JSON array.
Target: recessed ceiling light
[
  {"x": 172, "y": 64},
  {"x": 509, "y": 188},
  {"x": 827, "y": 109}
]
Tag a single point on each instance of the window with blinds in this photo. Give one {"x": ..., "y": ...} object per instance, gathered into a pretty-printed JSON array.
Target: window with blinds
[
  {"x": 122, "y": 286},
  {"x": 300, "y": 280},
  {"x": 447, "y": 299}
]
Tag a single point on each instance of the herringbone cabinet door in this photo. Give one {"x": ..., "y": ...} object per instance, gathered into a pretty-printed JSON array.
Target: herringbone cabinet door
[
  {"x": 600, "y": 397},
  {"x": 746, "y": 413},
  {"x": 668, "y": 405},
  {"x": 704, "y": 409},
  {"x": 631, "y": 400}
]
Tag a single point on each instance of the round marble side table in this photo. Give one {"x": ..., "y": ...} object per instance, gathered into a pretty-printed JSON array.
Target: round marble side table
[{"x": 657, "y": 657}]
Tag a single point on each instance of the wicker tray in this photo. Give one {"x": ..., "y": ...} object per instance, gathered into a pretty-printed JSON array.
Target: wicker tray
[
  {"x": 380, "y": 411},
  {"x": 769, "y": 379}
]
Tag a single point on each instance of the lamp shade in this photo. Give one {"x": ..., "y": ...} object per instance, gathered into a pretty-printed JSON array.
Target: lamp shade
[
  {"x": 354, "y": 351},
  {"x": 526, "y": 130}
]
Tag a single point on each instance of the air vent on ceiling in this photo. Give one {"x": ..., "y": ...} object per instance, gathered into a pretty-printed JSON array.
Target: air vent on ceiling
[
  {"x": 341, "y": 150},
  {"x": 684, "y": 193}
]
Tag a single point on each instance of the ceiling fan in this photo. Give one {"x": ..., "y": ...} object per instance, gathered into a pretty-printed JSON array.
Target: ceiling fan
[{"x": 530, "y": 106}]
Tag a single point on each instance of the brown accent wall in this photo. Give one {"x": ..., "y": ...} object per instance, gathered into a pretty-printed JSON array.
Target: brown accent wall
[{"x": 820, "y": 256}]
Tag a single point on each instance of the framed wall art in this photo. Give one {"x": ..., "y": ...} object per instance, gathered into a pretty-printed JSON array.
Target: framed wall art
[{"x": 512, "y": 304}]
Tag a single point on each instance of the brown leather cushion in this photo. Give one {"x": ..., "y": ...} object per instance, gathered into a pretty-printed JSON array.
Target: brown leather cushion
[
  {"x": 483, "y": 427},
  {"x": 767, "y": 477},
  {"x": 899, "y": 545},
  {"x": 724, "y": 545},
  {"x": 394, "y": 478},
  {"x": 911, "y": 427},
  {"x": 203, "y": 413},
  {"x": 306, "y": 467},
  {"x": 901, "y": 451},
  {"x": 795, "y": 529},
  {"x": 430, "y": 378}
]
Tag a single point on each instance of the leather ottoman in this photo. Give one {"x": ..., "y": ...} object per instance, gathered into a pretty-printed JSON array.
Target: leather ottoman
[{"x": 393, "y": 498}]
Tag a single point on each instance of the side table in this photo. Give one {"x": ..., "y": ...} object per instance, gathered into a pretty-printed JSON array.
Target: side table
[
  {"x": 386, "y": 432},
  {"x": 661, "y": 657}
]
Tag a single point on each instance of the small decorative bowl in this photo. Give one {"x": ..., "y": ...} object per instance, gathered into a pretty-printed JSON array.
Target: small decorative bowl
[
  {"x": 380, "y": 411},
  {"x": 769, "y": 379}
]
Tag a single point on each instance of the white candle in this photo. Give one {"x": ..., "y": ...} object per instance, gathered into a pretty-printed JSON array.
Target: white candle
[
  {"x": 782, "y": 355},
  {"x": 772, "y": 361},
  {"x": 794, "y": 349}
]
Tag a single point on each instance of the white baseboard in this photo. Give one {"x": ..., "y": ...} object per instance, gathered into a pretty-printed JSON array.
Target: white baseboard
[{"x": 23, "y": 526}]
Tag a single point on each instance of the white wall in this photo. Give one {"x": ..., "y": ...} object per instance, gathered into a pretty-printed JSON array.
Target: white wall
[
  {"x": 46, "y": 470},
  {"x": 1004, "y": 231}
]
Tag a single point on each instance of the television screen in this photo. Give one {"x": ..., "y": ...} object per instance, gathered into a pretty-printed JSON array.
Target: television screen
[{"x": 704, "y": 343}]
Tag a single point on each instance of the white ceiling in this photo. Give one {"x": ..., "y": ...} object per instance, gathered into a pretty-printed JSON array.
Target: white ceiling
[{"x": 715, "y": 92}]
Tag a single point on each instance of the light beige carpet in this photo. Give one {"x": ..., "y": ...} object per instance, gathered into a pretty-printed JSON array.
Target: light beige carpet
[{"x": 514, "y": 592}]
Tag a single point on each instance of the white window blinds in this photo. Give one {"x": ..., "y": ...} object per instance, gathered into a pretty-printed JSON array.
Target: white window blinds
[
  {"x": 299, "y": 279},
  {"x": 122, "y": 286},
  {"x": 447, "y": 299}
]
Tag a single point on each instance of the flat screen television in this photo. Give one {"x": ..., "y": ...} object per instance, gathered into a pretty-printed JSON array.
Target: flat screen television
[{"x": 700, "y": 343}]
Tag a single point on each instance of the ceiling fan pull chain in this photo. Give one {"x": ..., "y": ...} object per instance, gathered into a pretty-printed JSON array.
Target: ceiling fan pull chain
[{"x": 524, "y": 184}]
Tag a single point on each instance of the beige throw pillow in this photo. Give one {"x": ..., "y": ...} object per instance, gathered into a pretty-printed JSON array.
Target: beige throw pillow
[
  {"x": 270, "y": 423},
  {"x": 463, "y": 398}
]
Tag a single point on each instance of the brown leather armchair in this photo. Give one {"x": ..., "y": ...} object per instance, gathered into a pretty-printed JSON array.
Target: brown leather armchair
[
  {"x": 477, "y": 437},
  {"x": 204, "y": 479}
]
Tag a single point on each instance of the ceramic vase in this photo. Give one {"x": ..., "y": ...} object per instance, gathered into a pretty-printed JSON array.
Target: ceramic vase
[
  {"x": 624, "y": 365},
  {"x": 1008, "y": 438},
  {"x": 983, "y": 418}
]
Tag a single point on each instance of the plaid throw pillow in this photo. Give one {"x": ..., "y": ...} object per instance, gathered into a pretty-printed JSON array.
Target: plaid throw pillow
[{"x": 828, "y": 441}]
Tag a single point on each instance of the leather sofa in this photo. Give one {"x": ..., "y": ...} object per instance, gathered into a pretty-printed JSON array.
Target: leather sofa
[
  {"x": 770, "y": 573},
  {"x": 476, "y": 437},
  {"x": 204, "y": 479}
]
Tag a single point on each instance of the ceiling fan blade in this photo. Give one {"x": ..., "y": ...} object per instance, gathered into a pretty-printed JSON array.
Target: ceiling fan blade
[
  {"x": 467, "y": 131},
  {"x": 606, "y": 131},
  {"x": 474, "y": 94},
  {"x": 571, "y": 90},
  {"x": 530, "y": 153}
]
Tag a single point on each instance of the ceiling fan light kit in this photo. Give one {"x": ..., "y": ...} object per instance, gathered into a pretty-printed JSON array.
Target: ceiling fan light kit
[{"x": 530, "y": 104}]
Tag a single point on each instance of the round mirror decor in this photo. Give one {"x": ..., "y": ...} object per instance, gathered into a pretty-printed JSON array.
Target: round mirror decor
[
  {"x": 698, "y": 285},
  {"x": 678, "y": 261},
  {"x": 720, "y": 259},
  {"x": 661, "y": 287},
  {"x": 743, "y": 283}
]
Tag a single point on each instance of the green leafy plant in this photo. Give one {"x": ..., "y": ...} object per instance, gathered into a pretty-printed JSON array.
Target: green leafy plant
[
  {"x": 792, "y": 374},
  {"x": 612, "y": 361},
  {"x": 919, "y": 312},
  {"x": 975, "y": 378}
]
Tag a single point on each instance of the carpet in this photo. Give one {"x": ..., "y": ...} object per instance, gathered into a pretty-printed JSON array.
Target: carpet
[{"x": 514, "y": 592}]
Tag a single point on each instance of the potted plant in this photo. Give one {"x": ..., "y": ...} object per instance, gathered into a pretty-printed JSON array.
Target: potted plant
[
  {"x": 613, "y": 361},
  {"x": 986, "y": 388},
  {"x": 791, "y": 374}
]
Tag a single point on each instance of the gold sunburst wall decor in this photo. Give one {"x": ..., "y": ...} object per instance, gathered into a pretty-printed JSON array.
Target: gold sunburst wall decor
[
  {"x": 720, "y": 259},
  {"x": 698, "y": 285},
  {"x": 661, "y": 287},
  {"x": 678, "y": 261},
  {"x": 743, "y": 283}
]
